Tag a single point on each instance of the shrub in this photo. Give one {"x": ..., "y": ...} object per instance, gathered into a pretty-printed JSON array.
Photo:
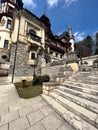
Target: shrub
[
  {"x": 38, "y": 80},
  {"x": 46, "y": 78}
]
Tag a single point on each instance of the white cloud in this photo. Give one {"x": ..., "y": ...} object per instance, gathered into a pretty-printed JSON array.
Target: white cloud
[
  {"x": 69, "y": 2},
  {"x": 52, "y": 3},
  {"x": 79, "y": 36},
  {"x": 29, "y": 3},
  {"x": 95, "y": 32}
]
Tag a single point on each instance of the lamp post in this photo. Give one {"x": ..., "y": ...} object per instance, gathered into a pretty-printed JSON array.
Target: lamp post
[
  {"x": 79, "y": 56},
  {"x": 14, "y": 64},
  {"x": 34, "y": 72}
]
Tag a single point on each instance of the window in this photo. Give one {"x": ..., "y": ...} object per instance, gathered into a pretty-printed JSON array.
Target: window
[
  {"x": 32, "y": 32},
  {"x": 6, "y": 42},
  {"x": 33, "y": 56},
  {"x": 9, "y": 24}
]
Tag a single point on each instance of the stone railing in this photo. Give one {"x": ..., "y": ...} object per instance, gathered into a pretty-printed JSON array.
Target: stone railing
[
  {"x": 49, "y": 86},
  {"x": 71, "y": 57}
]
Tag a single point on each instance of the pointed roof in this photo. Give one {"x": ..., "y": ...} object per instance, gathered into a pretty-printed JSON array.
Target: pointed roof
[
  {"x": 19, "y": 4},
  {"x": 64, "y": 34},
  {"x": 45, "y": 20}
]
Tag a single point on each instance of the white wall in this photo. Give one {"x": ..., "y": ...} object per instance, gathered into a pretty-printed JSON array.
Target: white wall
[{"x": 4, "y": 32}]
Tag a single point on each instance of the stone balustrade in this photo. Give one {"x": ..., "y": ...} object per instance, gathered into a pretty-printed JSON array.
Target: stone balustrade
[{"x": 49, "y": 86}]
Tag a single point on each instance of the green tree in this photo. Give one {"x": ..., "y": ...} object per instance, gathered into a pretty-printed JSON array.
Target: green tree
[
  {"x": 84, "y": 47},
  {"x": 96, "y": 51},
  {"x": 97, "y": 39}
]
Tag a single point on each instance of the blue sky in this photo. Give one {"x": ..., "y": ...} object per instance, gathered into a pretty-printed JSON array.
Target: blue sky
[{"x": 81, "y": 14}]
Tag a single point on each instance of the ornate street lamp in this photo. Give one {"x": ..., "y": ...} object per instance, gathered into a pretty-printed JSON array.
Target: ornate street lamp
[{"x": 79, "y": 55}]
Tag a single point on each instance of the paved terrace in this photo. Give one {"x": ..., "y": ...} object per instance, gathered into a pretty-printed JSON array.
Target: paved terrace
[{"x": 27, "y": 114}]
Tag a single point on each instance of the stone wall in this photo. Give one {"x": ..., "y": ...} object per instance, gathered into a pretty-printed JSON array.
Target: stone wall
[
  {"x": 4, "y": 55},
  {"x": 52, "y": 71},
  {"x": 4, "y": 62},
  {"x": 71, "y": 57},
  {"x": 22, "y": 68},
  {"x": 89, "y": 61},
  {"x": 59, "y": 69}
]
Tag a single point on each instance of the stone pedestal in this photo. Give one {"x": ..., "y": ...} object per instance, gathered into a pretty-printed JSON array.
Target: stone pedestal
[
  {"x": 71, "y": 57},
  {"x": 48, "y": 87}
]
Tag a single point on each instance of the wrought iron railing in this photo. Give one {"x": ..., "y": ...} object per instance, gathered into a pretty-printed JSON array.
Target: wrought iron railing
[{"x": 34, "y": 37}]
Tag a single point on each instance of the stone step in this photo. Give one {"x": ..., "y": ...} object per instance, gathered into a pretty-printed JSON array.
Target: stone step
[
  {"x": 85, "y": 81},
  {"x": 84, "y": 74},
  {"x": 86, "y": 77},
  {"x": 77, "y": 122},
  {"x": 81, "y": 89},
  {"x": 78, "y": 100},
  {"x": 87, "y": 96},
  {"x": 95, "y": 87},
  {"x": 87, "y": 73},
  {"x": 82, "y": 112}
]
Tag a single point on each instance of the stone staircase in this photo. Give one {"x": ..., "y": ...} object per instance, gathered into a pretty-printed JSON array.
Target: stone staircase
[
  {"x": 76, "y": 100},
  {"x": 64, "y": 73}
]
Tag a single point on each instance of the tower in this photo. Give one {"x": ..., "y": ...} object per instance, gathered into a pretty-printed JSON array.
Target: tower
[
  {"x": 71, "y": 37},
  {"x": 8, "y": 7},
  {"x": 6, "y": 16}
]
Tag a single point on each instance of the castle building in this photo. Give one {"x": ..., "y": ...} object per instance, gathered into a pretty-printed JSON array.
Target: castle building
[
  {"x": 6, "y": 17},
  {"x": 56, "y": 46},
  {"x": 24, "y": 37},
  {"x": 27, "y": 41}
]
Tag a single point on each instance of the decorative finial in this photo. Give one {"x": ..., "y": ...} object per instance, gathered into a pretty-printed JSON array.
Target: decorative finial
[
  {"x": 66, "y": 27},
  {"x": 69, "y": 26},
  {"x": 45, "y": 9},
  {"x": 70, "y": 29}
]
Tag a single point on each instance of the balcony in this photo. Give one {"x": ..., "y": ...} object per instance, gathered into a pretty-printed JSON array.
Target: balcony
[
  {"x": 58, "y": 47},
  {"x": 34, "y": 39}
]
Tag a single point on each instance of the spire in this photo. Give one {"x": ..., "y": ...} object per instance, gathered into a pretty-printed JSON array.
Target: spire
[
  {"x": 70, "y": 30},
  {"x": 45, "y": 9}
]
